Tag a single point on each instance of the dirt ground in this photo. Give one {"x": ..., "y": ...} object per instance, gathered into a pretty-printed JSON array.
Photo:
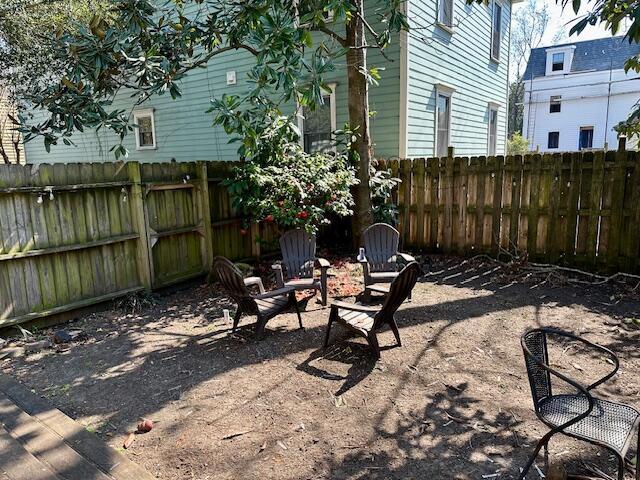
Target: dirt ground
[{"x": 452, "y": 403}]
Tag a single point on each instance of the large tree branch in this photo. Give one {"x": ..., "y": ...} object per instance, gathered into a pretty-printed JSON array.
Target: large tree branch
[{"x": 327, "y": 31}]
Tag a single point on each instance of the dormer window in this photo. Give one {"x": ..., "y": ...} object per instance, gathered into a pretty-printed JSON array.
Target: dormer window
[
  {"x": 557, "y": 64},
  {"x": 559, "y": 60}
]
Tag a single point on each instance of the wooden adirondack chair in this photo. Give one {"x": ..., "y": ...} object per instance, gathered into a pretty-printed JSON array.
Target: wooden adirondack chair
[
  {"x": 298, "y": 262},
  {"x": 382, "y": 259},
  {"x": 265, "y": 305},
  {"x": 366, "y": 320}
]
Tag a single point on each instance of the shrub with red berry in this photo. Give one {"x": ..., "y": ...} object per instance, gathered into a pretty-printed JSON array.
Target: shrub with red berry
[{"x": 293, "y": 189}]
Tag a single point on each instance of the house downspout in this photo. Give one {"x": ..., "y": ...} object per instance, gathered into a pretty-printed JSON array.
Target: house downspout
[
  {"x": 403, "y": 139},
  {"x": 507, "y": 111}
]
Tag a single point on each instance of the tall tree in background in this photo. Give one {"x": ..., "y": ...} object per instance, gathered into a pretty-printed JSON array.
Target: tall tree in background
[
  {"x": 147, "y": 47},
  {"x": 528, "y": 28},
  {"x": 27, "y": 30}
]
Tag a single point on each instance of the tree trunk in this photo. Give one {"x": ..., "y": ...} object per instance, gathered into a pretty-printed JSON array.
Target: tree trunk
[{"x": 361, "y": 151}]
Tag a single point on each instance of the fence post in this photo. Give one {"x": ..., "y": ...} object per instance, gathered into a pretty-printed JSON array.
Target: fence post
[
  {"x": 254, "y": 230},
  {"x": 205, "y": 214},
  {"x": 622, "y": 143},
  {"x": 137, "y": 210}
]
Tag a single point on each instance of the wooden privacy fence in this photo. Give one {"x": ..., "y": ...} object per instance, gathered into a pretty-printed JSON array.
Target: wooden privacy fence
[
  {"x": 579, "y": 209},
  {"x": 72, "y": 235}
]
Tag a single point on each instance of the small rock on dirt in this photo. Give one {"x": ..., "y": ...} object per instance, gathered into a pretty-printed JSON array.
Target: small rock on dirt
[
  {"x": 61, "y": 336},
  {"x": 37, "y": 346}
]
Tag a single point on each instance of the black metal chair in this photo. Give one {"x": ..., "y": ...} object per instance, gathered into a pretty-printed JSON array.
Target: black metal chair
[
  {"x": 579, "y": 415},
  {"x": 264, "y": 306},
  {"x": 365, "y": 320}
]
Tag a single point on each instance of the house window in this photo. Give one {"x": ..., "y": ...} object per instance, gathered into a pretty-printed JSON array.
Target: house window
[
  {"x": 557, "y": 62},
  {"x": 443, "y": 121},
  {"x": 555, "y": 104},
  {"x": 554, "y": 140},
  {"x": 318, "y": 125},
  {"x": 586, "y": 137},
  {"x": 496, "y": 31},
  {"x": 445, "y": 13},
  {"x": 146, "y": 129},
  {"x": 493, "y": 130}
]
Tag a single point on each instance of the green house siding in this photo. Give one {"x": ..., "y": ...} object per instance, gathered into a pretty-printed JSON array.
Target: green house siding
[
  {"x": 184, "y": 132},
  {"x": 459, "y": 60}
]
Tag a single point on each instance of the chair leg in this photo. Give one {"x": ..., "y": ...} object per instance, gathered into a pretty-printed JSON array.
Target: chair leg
[
  {"x": 620, "y": 467},
  {"x": 295, "y": 302},
  {"x": 366, "y": 298},
  {"x": 396, "y": 332},
  {"x": 542, "y": 443},
  {"x": 260, "y": 326},
  {"x": 638, "y": 457},
  {"x": 236, "y": 319},
  {"x": 373, "y": 342},
  {"x": 326, "y": 336},
  {"x": 323, "y": 285}
]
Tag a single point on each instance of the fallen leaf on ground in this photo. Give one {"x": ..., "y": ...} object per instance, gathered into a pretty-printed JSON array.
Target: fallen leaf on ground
[{"x": 129, "y": 440}]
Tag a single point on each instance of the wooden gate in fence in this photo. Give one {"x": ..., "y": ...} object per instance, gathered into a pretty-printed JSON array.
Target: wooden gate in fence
[
  {"x": 576, "y": 208},
  {"x": 72, "y": 235}
]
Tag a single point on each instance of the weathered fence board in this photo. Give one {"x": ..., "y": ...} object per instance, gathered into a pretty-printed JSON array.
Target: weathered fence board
[
  {"x": 574, "y": 208},
  {"x": 76, "y": 234}
]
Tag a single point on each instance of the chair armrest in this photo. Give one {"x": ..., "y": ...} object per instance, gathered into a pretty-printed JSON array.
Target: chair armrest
[
  {"x": 275, "y": 293},
  {"x": 355, "y": 307},
  {"x": 249, "y": 281},
  {"x": 614, "y": 358},
  {"x": 579, "y": 387},
  {"x": 322, "y": 263},
  {"x": 406, "y": 257}
]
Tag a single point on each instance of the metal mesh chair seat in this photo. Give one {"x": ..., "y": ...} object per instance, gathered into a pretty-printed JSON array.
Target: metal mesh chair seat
[
  {"x": 608, "y": 423},
  {"x": 580, "y": 415}
]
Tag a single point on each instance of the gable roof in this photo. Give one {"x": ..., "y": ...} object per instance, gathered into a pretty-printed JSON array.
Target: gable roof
[{"x": 590, "y": 55}]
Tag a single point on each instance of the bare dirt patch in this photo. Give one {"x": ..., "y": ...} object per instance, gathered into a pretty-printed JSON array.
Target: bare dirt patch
[{"x": 452, "y": 403}]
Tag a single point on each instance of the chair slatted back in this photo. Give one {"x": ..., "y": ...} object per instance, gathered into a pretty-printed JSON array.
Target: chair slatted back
[
  {"x": 539, "y": 378},
  {"x": 232, "y": 281},
  {"x": 398, "y": 291},
  {"x": 298, "y": 249},
  {"x": 381, "y": 243}
]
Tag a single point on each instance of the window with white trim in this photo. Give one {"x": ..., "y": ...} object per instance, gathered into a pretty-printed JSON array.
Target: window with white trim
[
  {"x": 443, "y": 122},
  {"x": 445, "y": 13},
  {"x": 557, "y": 62},
  {"x": 145, "y": 129},
  {"x": 496, "y": 31},
  {"x": 493, "y": 130},
  {"x": 317, "y": 126},
  {"x": 586, "y": 138},
  {"x": 555, "y": 104}
]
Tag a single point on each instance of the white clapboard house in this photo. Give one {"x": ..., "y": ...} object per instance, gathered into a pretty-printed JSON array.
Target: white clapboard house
[{"x": 576, "y": 93}]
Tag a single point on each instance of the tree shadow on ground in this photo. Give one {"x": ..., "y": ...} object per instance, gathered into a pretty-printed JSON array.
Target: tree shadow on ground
[{"x": 145, "y": 362}]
